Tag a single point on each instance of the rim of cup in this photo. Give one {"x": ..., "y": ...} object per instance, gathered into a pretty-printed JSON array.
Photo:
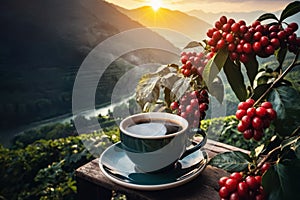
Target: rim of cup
[{"x": 155, "y": 116}]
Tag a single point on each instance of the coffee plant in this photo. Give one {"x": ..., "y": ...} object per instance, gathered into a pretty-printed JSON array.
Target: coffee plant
[{"x": 269, "y": 102}]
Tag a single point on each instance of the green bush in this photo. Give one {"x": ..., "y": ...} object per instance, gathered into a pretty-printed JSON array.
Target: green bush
[
  {"x": 45, "y": 168},
  {"x": 51, "y": 131}
]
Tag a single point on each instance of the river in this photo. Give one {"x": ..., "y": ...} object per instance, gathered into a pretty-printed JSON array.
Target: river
[{"x": 7, "y": 136}]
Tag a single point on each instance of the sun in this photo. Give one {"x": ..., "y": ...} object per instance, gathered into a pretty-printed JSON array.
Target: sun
[{"x": 155, "y": 4}]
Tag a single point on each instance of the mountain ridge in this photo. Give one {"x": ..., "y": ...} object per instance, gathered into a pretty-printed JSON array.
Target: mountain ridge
[
  {"x": 248, "y": 17},
  {"x": 210, "y": 17},
  {"x": 190, "y": 27},
  {"x": 42, "y": 47}
]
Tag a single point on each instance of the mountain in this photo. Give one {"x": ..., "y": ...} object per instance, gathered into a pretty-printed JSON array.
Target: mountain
[
  {"x": 190, "y": 27},
  {"x": 248, "y": 17},
  {"x": 211, "y": 18},
  {"x": 43, "y": 44}
]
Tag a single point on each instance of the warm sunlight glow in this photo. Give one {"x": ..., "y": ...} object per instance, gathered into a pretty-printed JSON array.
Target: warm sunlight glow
[{"x": 155, "y": 4}]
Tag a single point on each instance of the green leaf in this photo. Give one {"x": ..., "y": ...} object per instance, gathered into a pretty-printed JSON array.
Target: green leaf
[
  {"x": 236, "y": 80},
  {"x": 267, "y": 16},
  {"x": 180, "y": 87},
  {"x": 282, "y": 180},
  {"x": 193, "y": 44},
  {"x": 168, "y": 97},
  {"x": 214, "y": 66},
  {"x": 271, "y": 184},
  {"x": 259, "y": 90},
  {"x": 148, "y": 89},
  {"x": 297, "y": 149},
  {"x": 252, "y": 68},
  {"x": 285, "y": 100},
  {"x": 169, "y": 80},
  {"x": 264, "y": 77},
  {"x": 217, "y": 89},
  {"x": 231, "y": 161},
  {"x": 291, "y": 9},
  {"x": 163, "y": 70},
  {"x": 280, "y": 55}
]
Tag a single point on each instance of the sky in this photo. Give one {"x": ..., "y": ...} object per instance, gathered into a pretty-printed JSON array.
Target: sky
[{"x": 214, "y": 6}]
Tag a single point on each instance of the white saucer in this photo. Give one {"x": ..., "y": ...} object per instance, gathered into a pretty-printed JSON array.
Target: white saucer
[{"x": 115, "y": 164}]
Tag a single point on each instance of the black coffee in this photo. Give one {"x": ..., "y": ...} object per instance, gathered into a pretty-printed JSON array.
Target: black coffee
[{"x": 154, "y": 128}]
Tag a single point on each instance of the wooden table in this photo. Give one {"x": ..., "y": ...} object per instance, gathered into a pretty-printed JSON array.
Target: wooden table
[{"x": 93, "y": 184}]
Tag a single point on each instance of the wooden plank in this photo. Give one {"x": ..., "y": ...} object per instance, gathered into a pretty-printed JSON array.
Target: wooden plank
[
  {"x": 205, "y": 186},
  {"x": 88, "y": 190}
]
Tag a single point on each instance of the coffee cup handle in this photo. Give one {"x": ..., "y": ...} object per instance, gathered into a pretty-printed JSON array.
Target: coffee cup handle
[{"x": 197, "y": 146}]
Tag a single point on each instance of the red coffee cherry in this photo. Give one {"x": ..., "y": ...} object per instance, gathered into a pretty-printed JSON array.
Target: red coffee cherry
[
  {"x": 226, "y": 28},
  {"x": 246, "y": 121},
  {"x": 234, "y": 196},
  {"x": 257, "y": 123},
  {"x": 248, "y": 134},
  {"x": 252, "y": 182},
  {"x": 231, "y": 184},
  {"x": 266, "y": 105},
  {"x": 257, "y": 36},
  {"x": 269, "y": 50},
  {"x": 241, "y": 127},
  {"x": 223, "y": 19},
  {"x": 237, "y": 187},
  {"x": 243, "y": 189},
  {"x": 250, "y": 102},
  {"x": 265, "y": 167},
  {"x": 221, "y": 44},
  {"x": 247, "y": 48},
  {"x": 240, "y": 113},
  {"x": 293, "y": 26},
  {"x": 222, "y": 181},
  {"x": 210, "y": 32},
  {"x": 257, "y": 47},
  {"x": 237, "y": 176},
  {"x": 264, "y": 41},
  {"x": 230, "y": 38},
  {"x": 244, "y": 58},
  {"x": 271, "y": 113},
  {"x": 251, "y": 112},
  {"x": 258, "y": 134},
  {"x": 224, "y": 192},
  {"x": 235, "y": 27},
  {"x": 261, "y": 112},
  {"x": 174, "y": 105}
]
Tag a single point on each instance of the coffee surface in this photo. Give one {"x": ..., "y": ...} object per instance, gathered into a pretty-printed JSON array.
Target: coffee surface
[{"x": 154, "y": 128}]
